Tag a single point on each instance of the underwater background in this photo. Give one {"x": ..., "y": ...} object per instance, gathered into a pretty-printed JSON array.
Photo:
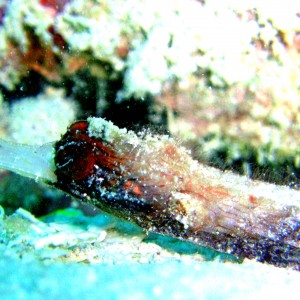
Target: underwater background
[{"x": 221, "y": 77}]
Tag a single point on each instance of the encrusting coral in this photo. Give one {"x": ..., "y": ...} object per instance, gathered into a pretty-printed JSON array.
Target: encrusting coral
[{"x": 51, "y": 111}]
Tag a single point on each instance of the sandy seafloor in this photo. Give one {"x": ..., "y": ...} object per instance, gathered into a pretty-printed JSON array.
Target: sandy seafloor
[
  {"x": 71, "y": 256},
  {"x": 168, "y": 280}
]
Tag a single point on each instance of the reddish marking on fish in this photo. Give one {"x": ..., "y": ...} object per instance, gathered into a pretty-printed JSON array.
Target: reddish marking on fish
[{"x": 252, "y": 199}]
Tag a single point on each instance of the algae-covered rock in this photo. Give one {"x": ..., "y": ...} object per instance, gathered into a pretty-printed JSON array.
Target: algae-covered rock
[
  {"x": 41, "y": 119},
  {"x": 227, "y": 73}
]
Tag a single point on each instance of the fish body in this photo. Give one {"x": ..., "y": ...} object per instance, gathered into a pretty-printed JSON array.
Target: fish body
[{"x": 154, "y": 182}]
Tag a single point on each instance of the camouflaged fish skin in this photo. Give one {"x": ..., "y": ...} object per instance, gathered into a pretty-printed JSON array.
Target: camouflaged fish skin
[{"x": 152, "y": 181}]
